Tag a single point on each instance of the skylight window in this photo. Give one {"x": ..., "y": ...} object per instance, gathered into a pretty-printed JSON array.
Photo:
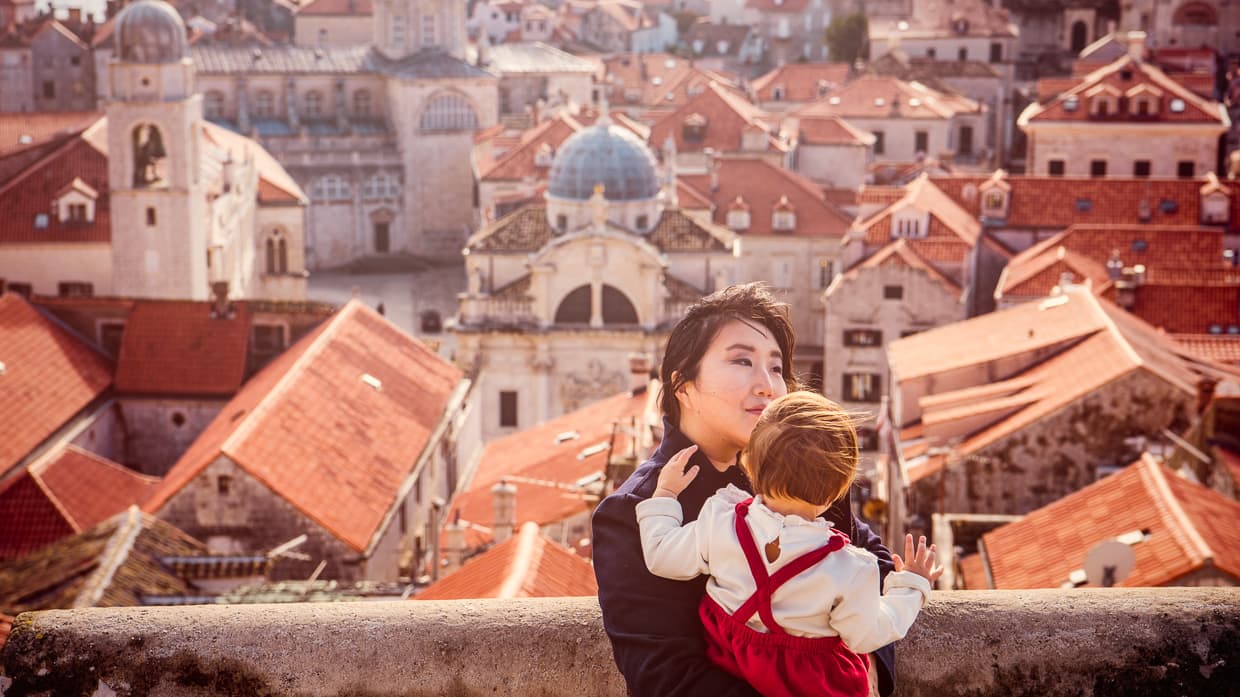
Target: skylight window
[
  {"x": 1071, "y": 103},
  {"x": 879, "y": 101},
  {"x": 1177, "y": 106},
  {"x": 566, "y": 435},
  {"x": 1084, "y": 205},
  {"x": 592, "y": 450}
]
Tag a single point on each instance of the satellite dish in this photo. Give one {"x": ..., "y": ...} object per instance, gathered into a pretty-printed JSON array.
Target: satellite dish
[{"x": 1109, "y": 562}]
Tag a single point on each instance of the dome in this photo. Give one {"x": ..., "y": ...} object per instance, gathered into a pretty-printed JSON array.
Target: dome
[
  {"x": 604, "y": 154},
  {"x": 150, "y": 31}
]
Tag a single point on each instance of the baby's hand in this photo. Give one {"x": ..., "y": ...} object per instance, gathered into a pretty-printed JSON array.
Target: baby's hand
[
  {"x": 673, "y": 478},
  {"x": 921, "y": 562}
]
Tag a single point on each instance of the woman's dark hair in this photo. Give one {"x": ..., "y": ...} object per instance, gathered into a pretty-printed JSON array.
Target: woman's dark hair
[{"x": 751, "y": 303}]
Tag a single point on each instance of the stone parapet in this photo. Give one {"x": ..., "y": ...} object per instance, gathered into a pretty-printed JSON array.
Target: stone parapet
[{"x": 1130, "y": 642}]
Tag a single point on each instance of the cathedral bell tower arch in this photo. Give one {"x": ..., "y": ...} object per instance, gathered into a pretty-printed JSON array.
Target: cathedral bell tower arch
[{"x": 158, "y": 201}]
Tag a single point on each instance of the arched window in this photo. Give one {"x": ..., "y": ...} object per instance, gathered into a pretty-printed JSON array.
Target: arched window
[
  {"x": 277, "y": 252},
  {"x": 1196, "y": 14},
  {"x": 448, "y": 111},
  {"x": 264, "y": 104},
  {"x": 213, "y": 105},
  {"x": 617, "y": 309},
  {"x": 331, "y": 187},
  {"x": 575, "y": 307},
  {"x": 149, "y": 156},
  {"x": 361, "y": 103},
  {"x": 381, "y": 185},
  {"x": 312, "y": 104}
]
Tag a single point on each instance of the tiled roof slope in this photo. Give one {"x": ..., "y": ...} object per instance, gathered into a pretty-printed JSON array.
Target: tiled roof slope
[
  {"x": 951, "y": 233},
  {"x": 526, "y": 566},
  {"x": 545, "y": 467},
  {"x": 41, "y": 126},
  {"x": 879, "y": 97},
  {"x": 1190, "y": 301},
  {"x": 761, "y": 185},
  {"x": 802, "y": 82},
  {"x": 727, "y": 116},
  {"x": 1212, "y": 347},
  {"x": 284, "y": 426},
  {"x": 657, "y": 79},
  {"x": 29, "y": 185},
  {"x": 901, "y": 253},
  {"x": 179, "y": 347},
  {"x": 831, "y": 130},
  {"x": 48, "y": 376},
  {"x": 114, "y": 564},
  {"x": 1190, "y": 528}
]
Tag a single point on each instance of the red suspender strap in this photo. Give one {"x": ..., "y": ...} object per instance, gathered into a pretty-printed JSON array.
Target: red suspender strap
[{"x": 760, "y": 601}]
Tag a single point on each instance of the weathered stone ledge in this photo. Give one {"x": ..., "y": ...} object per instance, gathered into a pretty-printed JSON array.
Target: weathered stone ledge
[{"x": 1165, "y": 641}]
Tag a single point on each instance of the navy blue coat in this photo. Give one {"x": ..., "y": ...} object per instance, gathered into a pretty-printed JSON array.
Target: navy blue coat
[{"x": 653, "y": 622}]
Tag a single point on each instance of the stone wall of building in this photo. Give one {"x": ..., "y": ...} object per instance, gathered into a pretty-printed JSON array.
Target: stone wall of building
[{"x": 156, "y": 432}]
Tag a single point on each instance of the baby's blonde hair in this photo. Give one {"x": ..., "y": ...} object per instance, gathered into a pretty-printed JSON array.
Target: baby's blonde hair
[{"x": 804, "y": 447}]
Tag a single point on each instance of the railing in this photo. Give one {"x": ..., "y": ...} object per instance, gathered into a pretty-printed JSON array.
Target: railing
[
  {"x": 483, "y": 311},
  {"x": 1048, "y": 643}
]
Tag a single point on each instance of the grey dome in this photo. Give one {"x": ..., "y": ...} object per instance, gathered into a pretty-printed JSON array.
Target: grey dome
[
  {"x": 150, "y": 31},
  {"x": 604, "y": 154}
]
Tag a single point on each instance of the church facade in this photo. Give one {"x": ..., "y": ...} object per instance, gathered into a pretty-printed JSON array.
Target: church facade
[{"x": 379, "y": 136}]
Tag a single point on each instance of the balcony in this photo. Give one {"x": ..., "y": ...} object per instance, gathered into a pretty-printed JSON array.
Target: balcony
[{"x": 1011, "y": 643}]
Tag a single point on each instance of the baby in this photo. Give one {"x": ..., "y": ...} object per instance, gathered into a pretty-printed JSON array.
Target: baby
[{"x": 790, "y": 605}]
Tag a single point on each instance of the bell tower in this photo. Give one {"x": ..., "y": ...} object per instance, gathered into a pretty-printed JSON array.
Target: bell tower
[
  {"x": 158, "y": 201},
  {"x": 405, "y": 27}
]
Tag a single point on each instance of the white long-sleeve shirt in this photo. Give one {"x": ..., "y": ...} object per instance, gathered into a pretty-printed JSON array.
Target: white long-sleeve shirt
[{"x": 837, "y": 596}]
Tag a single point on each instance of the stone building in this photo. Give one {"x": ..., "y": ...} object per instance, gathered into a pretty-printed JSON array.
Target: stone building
[
  {"x": 562, "y": 293},
  {"x": 276, "y": 463},
  {"x": 338, "y": 23},
  {"x": 356, "y": 126},
  {"x": 91, "y": 211},
  {"x": 790, "y": 30},
  {"x": 1188, "y": 23},
  {"x": 1127, "y": 118}
]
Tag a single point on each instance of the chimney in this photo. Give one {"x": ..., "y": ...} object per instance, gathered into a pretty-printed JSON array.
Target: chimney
[
  {"x": 639, "y": 373},
  {"x": 1115, "y": 266},
  {"x": 1136, "y": 45},
  {"x": 221, "y": 308},
  {"x": 1205, "y": 393},
  {"x": 454, "y": 548},
  {"x": 75, "y": 16},
  {"x": 504, "y": 505}
]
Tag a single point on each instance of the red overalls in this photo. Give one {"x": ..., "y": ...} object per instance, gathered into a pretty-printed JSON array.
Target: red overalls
[{"x": 776, "y": 663}]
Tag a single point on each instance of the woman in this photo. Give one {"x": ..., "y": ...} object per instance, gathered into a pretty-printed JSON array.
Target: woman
[{"x": 725, "y": 361}]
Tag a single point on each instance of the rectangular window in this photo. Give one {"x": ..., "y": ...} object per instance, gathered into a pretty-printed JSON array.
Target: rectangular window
[
  {"x": 893, "y": 292},
  {"x": 824, "y": 274},
  {"x": 49, "y": 89},
  {"x": 75, "y": 289},
  {"x": 962, "y": 54},
  {"x": 1141, "y": 168},
  {"x": 931, "y": 53},
  {"x": 879, "y": 144},
  {"x": 428, "y": 30},
  {"x": 921, "y": 142},
  {"x": 223, "y": 485},
  {"x": 150, "y": 215},
  {"x": 1097, "y": 168},
  {"x": 863, "y": 337},
  {"x": 782, "y": 278},
  {"x": 861, "y": 387},
  {"x": 77, "y": 212},
  {"x": 867, "y": 439},
  {"x": 110, "y": 334},
  {"x": 1055, "y": 168},
  {"x": 996, "y": 52},
  {"x": 507, "y": 409},
  {"x": 1185, "y": 169},
  {"x": 266, "y": 342}
]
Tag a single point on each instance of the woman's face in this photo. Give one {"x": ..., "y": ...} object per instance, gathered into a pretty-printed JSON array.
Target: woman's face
[{"x": 740, "y": 373}]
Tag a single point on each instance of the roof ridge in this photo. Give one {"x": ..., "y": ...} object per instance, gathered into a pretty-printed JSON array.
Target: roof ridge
[
  {"x": 114, "y": 554},
  {"x": 52, "y": 499},
  {"x": 111, "y": 464},
  {"x": 70, "y": 139},
  {"x": 524, "y": 559},
  {"x": 1155, "y": 476}
]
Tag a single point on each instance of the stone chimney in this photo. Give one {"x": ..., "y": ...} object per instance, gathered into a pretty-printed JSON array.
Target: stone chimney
[
  {"x": 454, "y": 545},
  {"x": 1115, "y": 266},
  {"x": 1136, "y": 45},
  {"x": 504, "y": 505}
]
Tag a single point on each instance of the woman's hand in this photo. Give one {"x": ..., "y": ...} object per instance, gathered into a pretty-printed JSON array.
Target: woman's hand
[
  {"x": 673, "y": 478},
  {"x": 920, "y": 562}
]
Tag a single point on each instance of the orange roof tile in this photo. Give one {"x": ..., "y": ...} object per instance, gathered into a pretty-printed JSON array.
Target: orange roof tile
[
  {"x": 877, "y": 97},
  {"x": 1189, "y": 528},
  {"x": 526, "y": 566},
  {"x": 19, "y": 130},
  {"x": 1212, "y": 347},
  {"x": 47, "y": 376},
  {"x": 801, "y": 82},
  {"x": 761, "y": 184},
  {"x": 726, "y": 117},
  {"x": 88, "y": 488},
  {"x": 1189, "y": 304},
  {"x": 831, "y": 130},
  {"x": 179, "y": 347},
  {"x": 546, "y": 462},
  {"x": 284, "y": 426},
  {"x": 30, "y": 178},
  {"x": 952, "y": 231},
  {"x": 902, "y": 253},
  {"x": 30, "y": 518}
]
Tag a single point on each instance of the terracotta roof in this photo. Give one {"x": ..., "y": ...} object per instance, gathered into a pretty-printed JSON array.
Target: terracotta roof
[
  {"x": 526, "y": 566},
  {"x": 1192, "y": 303},
  {"x": 951, "y": 233},
  {"x": 1187, "y": 528},
  {"x": 901, "y": 253},
  {"x": 352, "y": 8},
  {"x": 726, "y": 116},
  {"x": 521, "y": 161},
  {"x": 801, "y": 82},
  {"x": 1085, "y": 249},
  {"x": 626, "y": 13},
  {"x": 1042, "y": 202},
  {"x": 1212, "y": 347},
  {"x": 1112, "y": 77},
  {"x": 761, "y": 184},
  {"x": 114, "y": 564},
  {"x": 831, "y": 130},
  {"x": 941, "y": 19},
  {"x": 179, "y": 347},
  {"x": 48, "y": 376},
  {"x": 546, "y": 464},
  {"x": 30, "y": 178},
  {"x": 1069, "y": 345},
  {"x": 658, "y": 79},
  {"x": 876, "y": 97},
  {"x": 932, "y": 72},
  {"x": 20, "y": 130},
  {"x": 283, "y": 427},
  {"x": 275, "y": 185}
]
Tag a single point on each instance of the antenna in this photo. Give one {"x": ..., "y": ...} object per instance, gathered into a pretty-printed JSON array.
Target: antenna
[{"x": 1109, "y": 562}]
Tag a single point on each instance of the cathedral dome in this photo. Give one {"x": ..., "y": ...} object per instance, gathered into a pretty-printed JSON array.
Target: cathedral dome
[
  {"x": 604, "y": 154},
  {"x": 150, "y": 31}
]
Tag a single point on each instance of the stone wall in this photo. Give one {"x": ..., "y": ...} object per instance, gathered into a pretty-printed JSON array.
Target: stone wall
[{"x": 1102, "y": 643}]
